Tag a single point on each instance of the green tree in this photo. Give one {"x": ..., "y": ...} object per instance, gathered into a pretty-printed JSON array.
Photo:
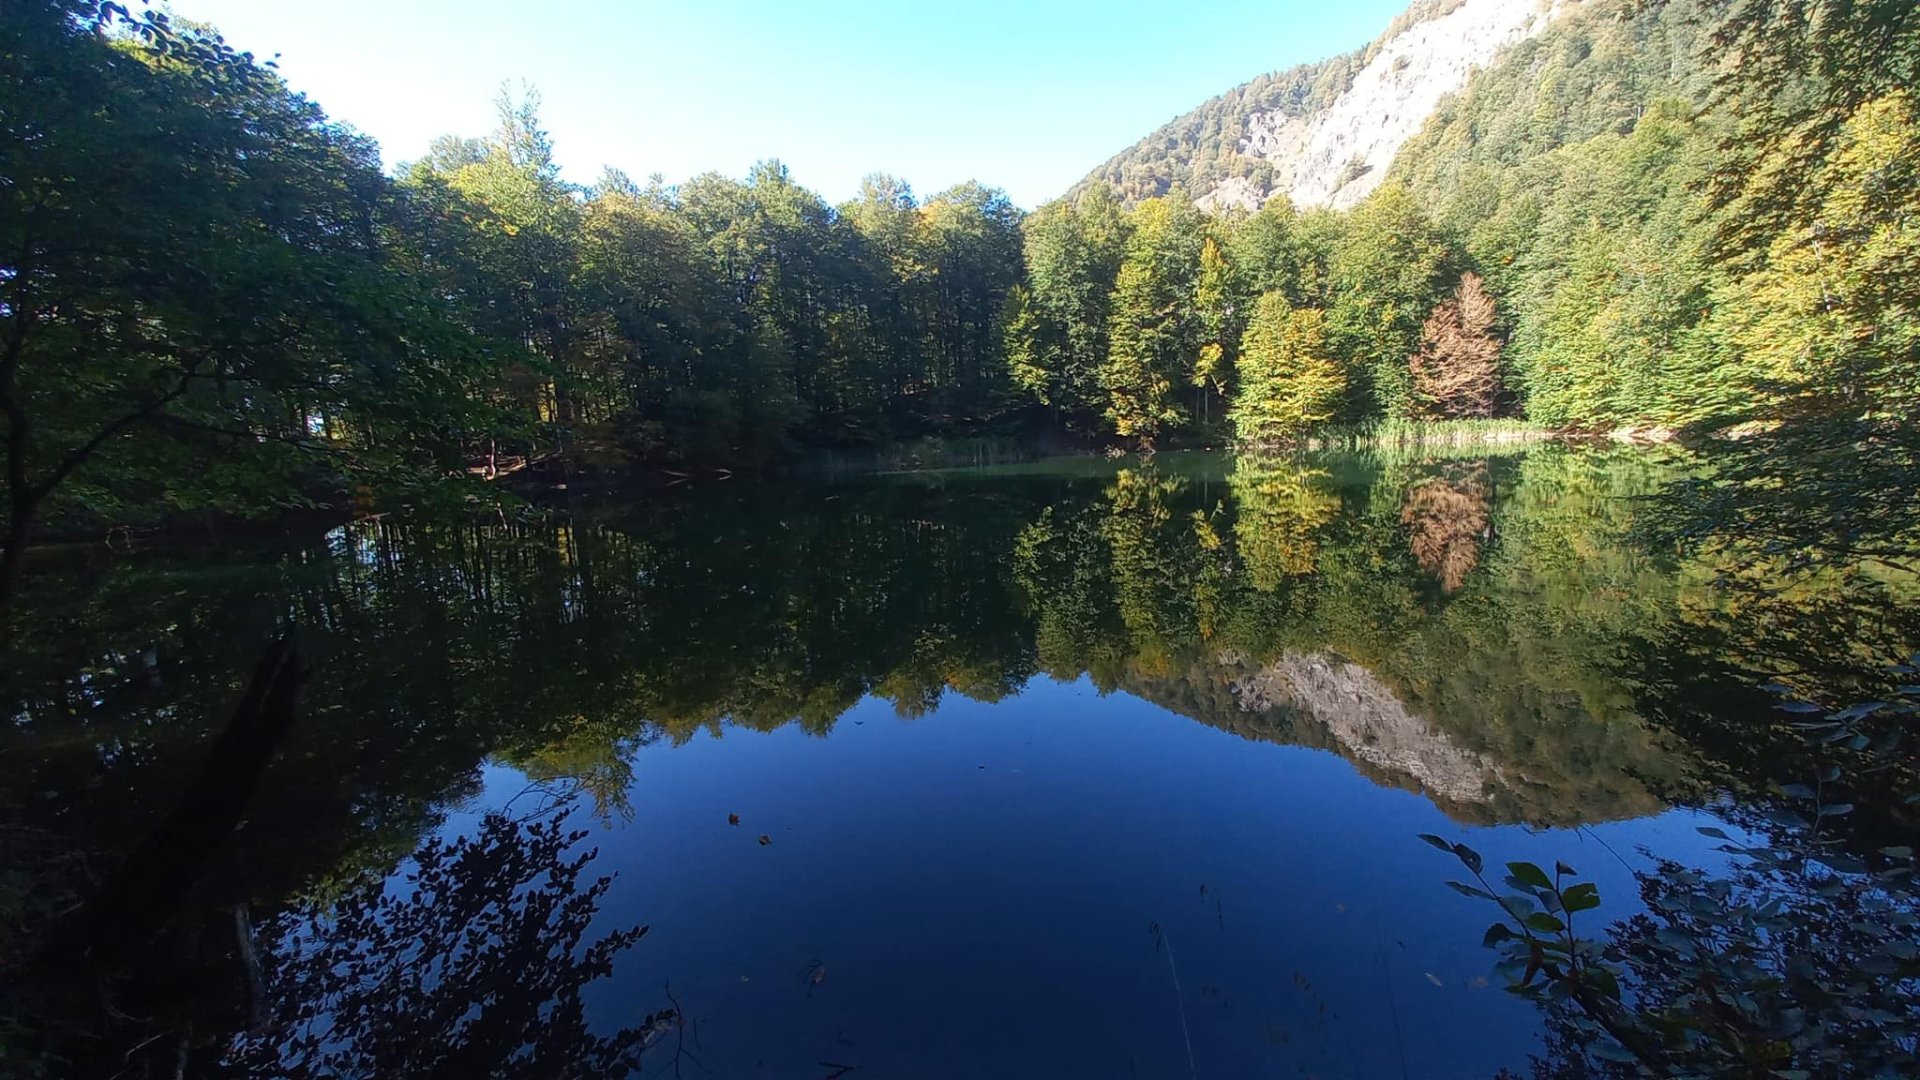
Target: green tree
[
  {"x": 1154, "y": 334},
  {"x": 1057, "y": 327},
  {"x": 198, "y": 311},
  {"x": 1386, "y": 275}
]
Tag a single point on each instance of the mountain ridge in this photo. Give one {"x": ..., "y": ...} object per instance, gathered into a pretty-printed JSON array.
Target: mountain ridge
[{"x": 1326, "y": 133}]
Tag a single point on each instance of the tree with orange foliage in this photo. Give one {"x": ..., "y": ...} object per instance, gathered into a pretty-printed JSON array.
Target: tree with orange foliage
[{"x": 1456, "y": 370}]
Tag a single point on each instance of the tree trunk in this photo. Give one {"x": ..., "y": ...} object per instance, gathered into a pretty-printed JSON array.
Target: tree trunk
[{"x": 20, "y": 511}]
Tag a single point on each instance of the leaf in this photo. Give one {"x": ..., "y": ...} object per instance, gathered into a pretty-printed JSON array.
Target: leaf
[
  {"x": 1437, "y": 842},
  {"x": 765, "y": 839},
  {"x": 1528, "y": 874},
  {"x": 1545, "y": 923},
  {"x": 733, "y": 819},
  {"x": 1716, "y": 833},
  {"x": 1467, "y": 890},
  {"x": 1496, "y": 934},
  {"x": 1469, "y": 856},
  {"x": 1581, "y": 897},
  {"x": 1608, "y": 1050},
  {"x": 1798, "y": 707}
]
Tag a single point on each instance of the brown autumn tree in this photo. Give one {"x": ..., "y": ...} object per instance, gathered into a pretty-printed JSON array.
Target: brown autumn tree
[
  {"x": 1447, "y": 518},
  {"x": 1456, "y": 369}
]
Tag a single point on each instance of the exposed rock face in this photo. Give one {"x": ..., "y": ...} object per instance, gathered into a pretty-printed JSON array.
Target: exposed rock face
[
  {"x": 1325, "y": 134},
  {"x": 1370, "y": 722},
  {"x": 1337, "y": 156}
]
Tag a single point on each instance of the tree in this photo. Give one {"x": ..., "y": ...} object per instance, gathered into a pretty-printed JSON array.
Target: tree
[
  {"x": 1830, "y": 316},
  {"x": 1216, "y": 301},
  {"x": 1386, "y": 271},
  {"x": 1057, "y": 328},
  {"x": 1154, "y": 333},
  {"x": 1447, "y": 518},
  {"x": 1456, "y": 369},
  {"x": 1288, "y": 381},
  {"x": 198, "y": 311},
  {"x": 477, "y": 970}
]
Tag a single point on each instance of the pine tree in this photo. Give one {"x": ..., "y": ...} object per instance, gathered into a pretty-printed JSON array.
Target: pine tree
[{"x": 1456, "y": 370}]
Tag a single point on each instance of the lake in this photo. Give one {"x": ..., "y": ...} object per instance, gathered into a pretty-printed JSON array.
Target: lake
[{"x": 1075, "y": 768}]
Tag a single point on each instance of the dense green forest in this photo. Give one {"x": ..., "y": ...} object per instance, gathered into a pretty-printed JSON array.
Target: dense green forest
[{"x": 1676, "y": 213}]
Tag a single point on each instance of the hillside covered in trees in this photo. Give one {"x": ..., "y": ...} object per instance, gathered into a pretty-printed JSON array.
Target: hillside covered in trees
[{"x": 219, "y": 302}]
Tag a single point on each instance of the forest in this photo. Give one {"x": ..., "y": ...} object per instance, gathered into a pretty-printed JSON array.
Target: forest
[
  {"x": 1686, "y": 222},
  {"x": 239, "y": 311}
]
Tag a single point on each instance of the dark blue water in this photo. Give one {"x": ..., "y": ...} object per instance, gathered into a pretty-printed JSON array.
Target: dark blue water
[{"x": 1061, "y": 884}]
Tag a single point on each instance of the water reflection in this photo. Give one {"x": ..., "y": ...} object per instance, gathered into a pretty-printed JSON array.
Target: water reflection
[{"x": 1481, "y": 631}]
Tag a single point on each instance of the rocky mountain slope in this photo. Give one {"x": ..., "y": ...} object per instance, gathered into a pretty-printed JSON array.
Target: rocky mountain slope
[{"x": 1324, "y": 134}]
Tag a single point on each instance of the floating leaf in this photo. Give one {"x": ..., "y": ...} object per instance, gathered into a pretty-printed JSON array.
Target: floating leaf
[
  {"x": 733, "y": 819},
  {"x": 765, "y": 839}
]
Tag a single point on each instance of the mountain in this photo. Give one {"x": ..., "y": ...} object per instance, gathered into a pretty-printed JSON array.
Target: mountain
[{"x": 1324, "y": 134}]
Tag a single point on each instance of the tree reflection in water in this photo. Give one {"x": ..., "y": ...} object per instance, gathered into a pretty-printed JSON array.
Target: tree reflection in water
[{"x": 474, "y": 961}]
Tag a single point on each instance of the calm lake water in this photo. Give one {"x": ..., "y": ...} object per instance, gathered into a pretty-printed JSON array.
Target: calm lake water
[{"x": 1070, "y": 769}]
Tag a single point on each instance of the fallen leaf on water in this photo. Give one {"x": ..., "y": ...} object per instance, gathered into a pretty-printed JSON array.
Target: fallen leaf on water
[
  {"x": 733, "y": 819},
  {"x": 1434, "y": 979},
  {"x": 765, "y": 839}
]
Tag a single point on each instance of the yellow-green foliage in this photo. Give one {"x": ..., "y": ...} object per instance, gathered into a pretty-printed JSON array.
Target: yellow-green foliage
[
  {"x": 1833, "y": 315},
  {"x": 1288, "y": 380}
]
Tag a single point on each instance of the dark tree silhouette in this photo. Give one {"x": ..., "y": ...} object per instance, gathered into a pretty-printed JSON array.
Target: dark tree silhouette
[{"x": 472, "y": 966}]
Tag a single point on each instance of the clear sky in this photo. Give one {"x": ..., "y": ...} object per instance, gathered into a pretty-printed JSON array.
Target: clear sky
[{"x": 1027, "y": 96}]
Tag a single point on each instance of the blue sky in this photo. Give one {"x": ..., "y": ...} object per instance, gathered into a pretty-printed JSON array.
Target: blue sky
[{"x": 1024, "y": 96}]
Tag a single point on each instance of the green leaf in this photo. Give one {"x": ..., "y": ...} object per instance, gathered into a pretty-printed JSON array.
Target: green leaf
[
  {"x": 1467, "y": 890},
  {"x": 1545, "y": 923},
  {"x": 1468, "y": 856},
  {"x": 1582, "y": 897},
  {"x": 1529, "y": 874},
  {"x": 1608, "y": 1050}
]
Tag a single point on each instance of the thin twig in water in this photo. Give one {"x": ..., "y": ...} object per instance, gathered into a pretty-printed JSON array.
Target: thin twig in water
[
  {"x": 1393, "y": 1010},
  {"x": 839, "y": 1070},
  {"x": 680, "y": 1036},
  {"x": 1180, "y": 1000},
  {"x": 1597, "y": 839}
]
